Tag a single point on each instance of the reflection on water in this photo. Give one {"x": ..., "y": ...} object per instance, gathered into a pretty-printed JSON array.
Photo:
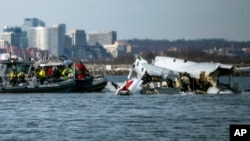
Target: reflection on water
[{"x": 105, "y": 116}]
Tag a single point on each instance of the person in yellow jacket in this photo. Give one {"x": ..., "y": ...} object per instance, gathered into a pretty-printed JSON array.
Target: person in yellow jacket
[
  {"x": 67, "y": 72},
  {"x": 13, "y": 77},
  {"x": 21, "y": 76},
  {"x": 42, "y": 75}
]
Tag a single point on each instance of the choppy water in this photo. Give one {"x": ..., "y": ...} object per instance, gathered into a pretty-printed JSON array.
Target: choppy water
[{"x": 108, "y": 117}]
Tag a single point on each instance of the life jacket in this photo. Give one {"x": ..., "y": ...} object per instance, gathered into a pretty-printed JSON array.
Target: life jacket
[
  {"x": 21, "y": 74},
  {"x": 42, "y": 73},
  {"x": 80, "y": 66},
  {"x": 49, "y": 71},
  {"x": 13, "y": 75}
]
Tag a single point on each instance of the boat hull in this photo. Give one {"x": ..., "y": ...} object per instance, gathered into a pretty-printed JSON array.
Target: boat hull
[
  {"x": 90, "y": 84},
  {"x": 63, "y": 86}
]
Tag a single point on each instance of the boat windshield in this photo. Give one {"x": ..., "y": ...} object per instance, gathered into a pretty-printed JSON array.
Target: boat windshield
[{"x": 18, "y": 67}]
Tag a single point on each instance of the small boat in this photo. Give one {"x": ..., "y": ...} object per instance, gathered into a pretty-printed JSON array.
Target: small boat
[
  {"x": 89, "y": 83},
  {"x": 29, "y": 83},
  {"x": 63, "y": 86}
]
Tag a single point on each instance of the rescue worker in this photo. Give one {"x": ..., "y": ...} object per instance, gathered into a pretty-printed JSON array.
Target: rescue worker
[
  {"x": 49, "y": 72},
  {"x": 21, "y": 76},
  {"x": 204, "y": 81},
  {"x": 185, "y": 81},
  {"x": 80, "y": 66},
  {"x": 81, "y": 70},
  {"x": 42, "y": 75},
  {"x": 13, "y": 77},
  {"x": 146, "y": 78}
]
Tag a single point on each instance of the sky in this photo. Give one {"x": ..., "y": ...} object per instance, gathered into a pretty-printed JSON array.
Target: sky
[{"x": 140, "y": 19}]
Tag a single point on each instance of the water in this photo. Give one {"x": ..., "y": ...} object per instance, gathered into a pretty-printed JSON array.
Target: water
[{"x": 108, "y": 117}]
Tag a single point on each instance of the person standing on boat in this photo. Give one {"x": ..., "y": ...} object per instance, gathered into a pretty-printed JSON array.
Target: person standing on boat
[
  {"x": 42, "y": 75},
  {"x": 80, "y": 66},
  {"x": 81, "y": 70},
  {"x": 67, "y": 72},
  {"x": 13, "y": 77}
]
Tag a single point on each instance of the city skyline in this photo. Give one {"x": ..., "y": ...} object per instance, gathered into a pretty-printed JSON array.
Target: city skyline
[{"x": 150, "y": 19}]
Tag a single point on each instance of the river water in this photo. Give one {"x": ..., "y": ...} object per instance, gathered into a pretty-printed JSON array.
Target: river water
[{"x": 108, "y": 117}]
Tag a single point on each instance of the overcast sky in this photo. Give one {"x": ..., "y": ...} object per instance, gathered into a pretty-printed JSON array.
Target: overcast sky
[{"x": 141, "y": 19}]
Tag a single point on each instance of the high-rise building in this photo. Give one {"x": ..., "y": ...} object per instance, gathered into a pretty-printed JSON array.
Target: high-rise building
[
  {"x": 56, "y": 38},
  {"x": 102, "y": 38},
  {"x": 3, "y": 44},
  {"x": 78, "y": 37},
  {"x": 48, "y": 38},
  {"x": 31, "y": 22},
  {"x": 14, "y": 29},
  {"x": 27, "y": 24},
  {"x": 67, "y": 41},
  {"x": 36, "y": 38},
  {"x": 12, "y": 35},
  {"x": 7, "y": 37}
]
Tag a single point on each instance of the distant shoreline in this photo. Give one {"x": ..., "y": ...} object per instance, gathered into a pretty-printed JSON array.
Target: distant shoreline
[
  {"x": 123, "y": 69},
  {"x": 101, "y": 69}
]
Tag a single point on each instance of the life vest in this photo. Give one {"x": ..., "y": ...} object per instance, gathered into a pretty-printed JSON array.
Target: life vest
[
  {"x": 49, "y": 71},
  {"x": 42, "y": 73},
  {"x": 80, "y": 66},
  {"x": 21, "y": 74},
  {"x": 13, "y": 75}
]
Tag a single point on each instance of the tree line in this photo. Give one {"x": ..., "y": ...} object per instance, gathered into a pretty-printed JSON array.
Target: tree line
[{"x": 193, "y": 50}]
